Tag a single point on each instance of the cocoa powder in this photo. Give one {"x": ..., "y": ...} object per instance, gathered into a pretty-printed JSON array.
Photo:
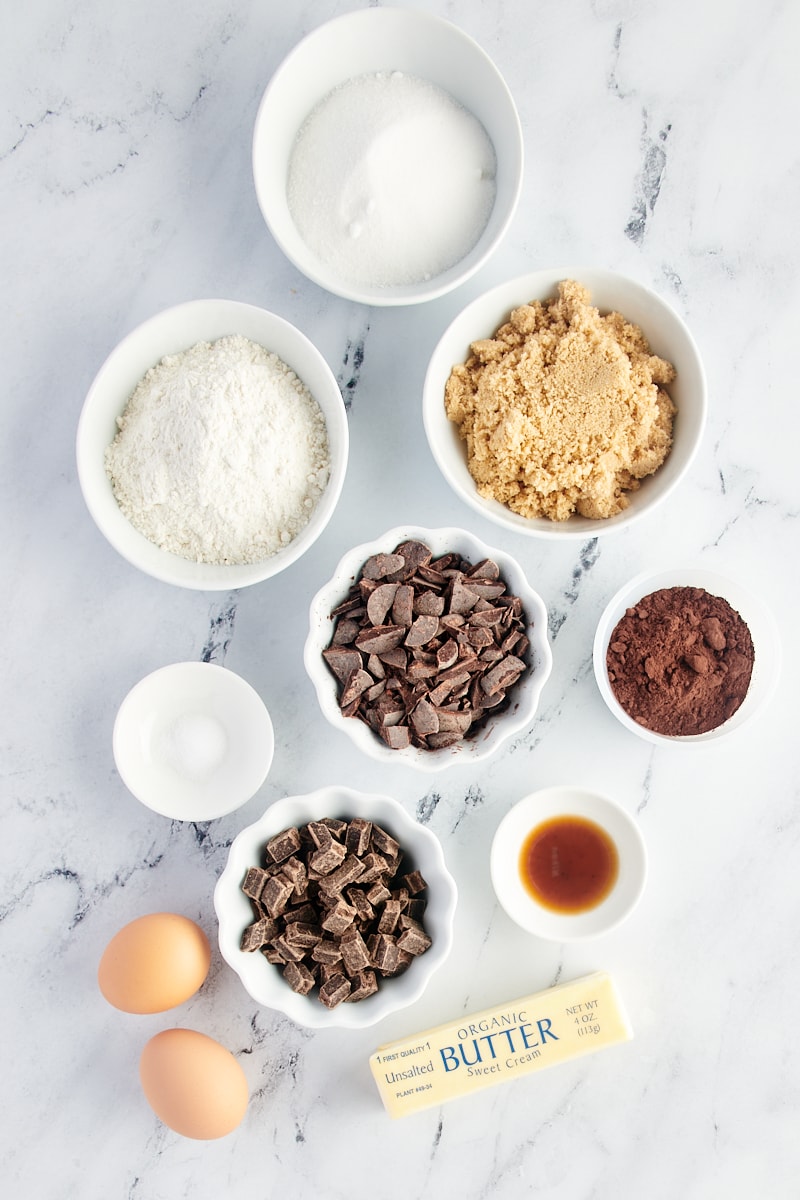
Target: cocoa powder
[{"x": 679, "y": 662}]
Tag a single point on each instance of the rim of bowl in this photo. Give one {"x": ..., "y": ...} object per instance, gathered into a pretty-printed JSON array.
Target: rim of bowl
[
  {"x": 234, "y": 913},
  {"x": 753, "y": 611},
  {"x": 407, "y": 32},
  {"x": 171, "y": 330},
  {"x": 210, "y": 677},
  {"x": 522, "y": 909},
  {"x": 491, "y": 736},
  {"x": 485, "y": 314}
]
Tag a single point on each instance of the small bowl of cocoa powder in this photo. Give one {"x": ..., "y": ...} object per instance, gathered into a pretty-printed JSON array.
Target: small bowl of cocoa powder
[{"x": 685, "y": 655}]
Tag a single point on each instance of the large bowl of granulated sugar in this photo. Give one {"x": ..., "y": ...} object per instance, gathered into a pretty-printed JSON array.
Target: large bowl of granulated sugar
[
  {"x": 387, "y": 156},
  {"x": 212, "y": 445}
]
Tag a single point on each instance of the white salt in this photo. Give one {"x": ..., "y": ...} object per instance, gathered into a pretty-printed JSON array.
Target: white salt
[
  {"x": 194, "y": 745},
  {"x": 390, "y": 180}
]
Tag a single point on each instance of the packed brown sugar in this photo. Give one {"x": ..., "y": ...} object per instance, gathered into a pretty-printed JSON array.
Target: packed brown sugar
[{"x": 563, "y": 411}]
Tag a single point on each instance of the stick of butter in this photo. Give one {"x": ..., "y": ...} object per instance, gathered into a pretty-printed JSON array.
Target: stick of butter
[{"x": 500, "y": 1044}]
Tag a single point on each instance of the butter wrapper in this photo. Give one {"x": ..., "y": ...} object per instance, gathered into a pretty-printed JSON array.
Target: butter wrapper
[{"x": 500, "y": 1044}]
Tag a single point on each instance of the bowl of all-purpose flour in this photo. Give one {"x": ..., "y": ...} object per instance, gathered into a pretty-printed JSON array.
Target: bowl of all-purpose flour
[
  {"x": 387, "y": 156},
  {"x": 212, "y": 446}
]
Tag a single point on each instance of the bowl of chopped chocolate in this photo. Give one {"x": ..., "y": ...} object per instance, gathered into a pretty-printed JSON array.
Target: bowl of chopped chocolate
[
  {"x": 565, "y": 403},
  {"x": 428, "y": 647},
  {"x": 335, "y": 908},
  {"x": 685, "y": 655}
]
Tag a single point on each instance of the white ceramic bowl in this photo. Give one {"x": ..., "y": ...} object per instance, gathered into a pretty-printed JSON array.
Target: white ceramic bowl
[
  {"x": 193, "y": 741},
  {"x": 766, "y": 665},
  {"x": 263, "y": 980},
  {"x": 668, "y": 337},
  {"x": 524, "y": 700},
  {"x": 169, "y": 332},
  {"x": 365, "y": 42},
  {"x": 521, "y": 906}
]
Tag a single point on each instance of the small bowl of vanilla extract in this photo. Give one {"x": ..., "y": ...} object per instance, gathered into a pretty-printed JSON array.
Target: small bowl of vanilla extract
[{"x": 568, "y": 864}]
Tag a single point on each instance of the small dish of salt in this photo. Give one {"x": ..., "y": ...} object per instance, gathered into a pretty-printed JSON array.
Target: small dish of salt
[{"x": 193, "y": 741}]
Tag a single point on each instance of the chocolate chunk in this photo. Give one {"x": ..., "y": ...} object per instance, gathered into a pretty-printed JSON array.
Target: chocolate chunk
[
  {"x": 276, "y": 895},
  {"x": 381, "y": 565},
  {"x": 364, "y": 983},
  {"x": 335, "y": 990},
  {"x": 357, "y": 836},
  {"x": 380, "y": 602},
  {"x": 323, "y": 862},
  {"x": 258, "y": 934},
  {"x": 414, "y": 940},
  {"x": 299, "y": 978},
  {"x": 283, "y": 845},
  {"x": 254, "y": 881}
]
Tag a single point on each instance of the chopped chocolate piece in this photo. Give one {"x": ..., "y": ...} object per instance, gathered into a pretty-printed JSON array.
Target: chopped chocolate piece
[
  {"x": 320, "y": 834},
  {"x": 416, "y": 909},
  {"x": 358, "y": 898},
  {"x": 327, "y": 951},
  {"x": 323, "y": 862},
  {"x": 413, "y": 939},
  {"x": 303, "y": 913},
  {"x": 283, "y": 845},
  {"x": 335, "y": 990},
  {"x": 299, "y": 978},
  {"x": 428, "y": 604},
  {"x": 397, "y": 737},
  {"x": 364, "y": 983},
  {"x": 415, "y": 882},
  {"x": 381, "y": 565},
  {"x": 378, "y": 893},
  {"x": 354, "y": 952},
  {"x": 384, "y": 843},
  {"x": 415, "y": 555},
  {"x": 380, "y": 602},
  {"x": 336, "y": 826},
  {"x": 351, "y": 869},
  {"x": 383, "y": 952},
  {"x": 403, "y": 604},
  {"x": 502, "y": 675},
  {"x": 294, "y": 870},
  {"x": 254, "y": 881},
  {"x": 276, "y": 895},
  {"x": 404, "y": 961},
  {"x": 339, "y": 918},
  {"x": 380, "y": 639},
  {"x": 421, "y": 632},
  {"x": 288, "y": 951},
  {"x": 356, "y": 683},
  {"x": 357, "y": 836},
  {"x": 346, "y": 631},
  {"x": 342, "y": 661},
  {"x": 303, "y": 934},
  {"x": 258, "y": 934},
  {"x": 273, "y": 956},
  {"x": 390, "y": 916}
]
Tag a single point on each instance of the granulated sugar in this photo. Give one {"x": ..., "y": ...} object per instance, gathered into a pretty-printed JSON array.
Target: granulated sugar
[
  {"x": 222, "y": 453},
  {"x": 390, "y": 180}
]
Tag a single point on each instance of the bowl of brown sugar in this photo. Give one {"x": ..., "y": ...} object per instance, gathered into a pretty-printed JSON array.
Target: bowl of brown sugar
[
  {"x": 685, "y": 655},
  {"x": 565, "y": 403}
]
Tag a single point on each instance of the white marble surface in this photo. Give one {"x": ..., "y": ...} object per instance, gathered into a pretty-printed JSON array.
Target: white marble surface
[{"x": 661, "y": 141}]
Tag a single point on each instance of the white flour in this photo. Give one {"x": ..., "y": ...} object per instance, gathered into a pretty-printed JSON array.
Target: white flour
[{"x": 222, "y": 453}]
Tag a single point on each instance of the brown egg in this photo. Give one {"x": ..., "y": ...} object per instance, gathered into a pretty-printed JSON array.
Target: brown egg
[
  {"x": 154, "y": 963},
  {"x": 193, "y": 1084}
]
